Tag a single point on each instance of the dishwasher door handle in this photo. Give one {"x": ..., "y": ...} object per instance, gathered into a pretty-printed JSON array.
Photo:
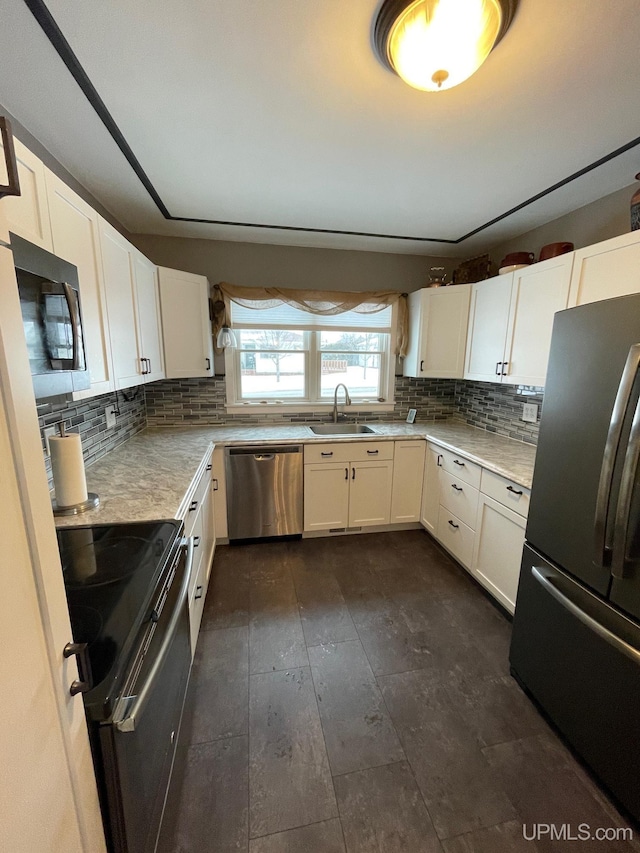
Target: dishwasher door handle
[{"x": 264, "y": 457}]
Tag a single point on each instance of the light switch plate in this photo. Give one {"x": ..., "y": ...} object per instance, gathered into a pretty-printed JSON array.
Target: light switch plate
[
  {"x": 530, "y": 413},
  {"x": 110, "y": 415}
]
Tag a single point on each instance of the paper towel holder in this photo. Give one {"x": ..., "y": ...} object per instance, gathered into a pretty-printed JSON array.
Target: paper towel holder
[{"x": 91, "y": 502}]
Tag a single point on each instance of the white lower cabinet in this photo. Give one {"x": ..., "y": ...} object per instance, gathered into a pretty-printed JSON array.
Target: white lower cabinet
[
  {"x": 497, "y": 551},
  {"x": 483, "y": 528},
  {"x": 406, "y": 494},
  {"x": 352, "y": 488},
  {"x": 431, "y": 489},
  {"x": 326, "y": 495},
  {"x": 199, "y": 522},
  {"x": 456, "y": 536},
  {"x": 370, "y": 493}
]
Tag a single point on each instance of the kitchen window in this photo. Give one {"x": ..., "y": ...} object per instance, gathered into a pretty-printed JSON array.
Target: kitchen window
[{"x": 290, "y": 358}]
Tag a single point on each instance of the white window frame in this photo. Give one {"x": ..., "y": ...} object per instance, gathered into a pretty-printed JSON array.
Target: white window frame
[{"x": 234, "y": 405}]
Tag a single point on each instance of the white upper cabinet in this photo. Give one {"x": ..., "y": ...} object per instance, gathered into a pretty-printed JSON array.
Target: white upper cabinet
[
  {"x": 511, "y": 321},
  {"x": 148, "y": 313},
  {"x": 121, "y": 303},
  {"x": 75, "y": 231},
  {"x": 488, "y": 326},
  {"x": 27, "y": 215},
  {"x": 186, "y": 328},
  {"x": 130, "y": 286},
  {"x": 438, "y": 318},
  {"x": 538, "y": 292},
  {"x": 608, "y": 269}
]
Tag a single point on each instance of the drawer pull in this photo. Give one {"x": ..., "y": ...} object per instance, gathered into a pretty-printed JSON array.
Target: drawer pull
[
  {"x": 372, "y": 452},
  {"x": 209, "y": 467},
  {"x": 198, "y": 593},
  {"x": 196, "y": 541},
  {"x": 457, "y": 462},
  {"x": 215, "y": 484},
  {"x": 457, "y": 488},
  {"x": 328, "y": 453},
  {"x": 454, "y": 525},
  {"x": 193, "y": 506},
  {"x": 514, "y": 491},
  {"x": 438, "y": 460}
]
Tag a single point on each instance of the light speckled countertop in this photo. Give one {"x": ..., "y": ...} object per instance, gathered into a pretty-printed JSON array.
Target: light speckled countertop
[{"x": 152, "y": 474}]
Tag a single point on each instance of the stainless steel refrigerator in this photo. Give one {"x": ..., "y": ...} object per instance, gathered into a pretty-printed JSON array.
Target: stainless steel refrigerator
[{"x": 576, "y": 631}]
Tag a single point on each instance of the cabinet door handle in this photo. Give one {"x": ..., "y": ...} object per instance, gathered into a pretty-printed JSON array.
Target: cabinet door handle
[
  {"x": 198, "y": 593},
  {"x": 438, "y": 460},
  {"x": 457, "y": 488},
  {"x": 498, "y": 363},
  {"x": 196, "y": 541},
  {"x": 514, "y": 491},
  {"x": 215, "y": 484},
  {"x": 209, "y": 467},
  {"x": 144, "y": 370},
  {"x": 85, "y": 681},
  {"x": 456, "y": 526},
  {"x": 457, "y": 462},
  {"x": 193, "y": 506},
  {"x": 346, "y": 473},
  {"x": 208, "y": 362},
  {"x": 372, "y": 452},
  {"x": 353, "y": 473},
  {"x": 327, "y": 453},
  {"x": 505, "y": 368},
  {"x": 421, "y": 365}
]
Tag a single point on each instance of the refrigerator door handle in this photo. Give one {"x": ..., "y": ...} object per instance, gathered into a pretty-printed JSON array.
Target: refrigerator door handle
[
  {"x": 623, "y": 511},
  {"x": 604, "y": 537},
  {"x": 545, "y": 579}
]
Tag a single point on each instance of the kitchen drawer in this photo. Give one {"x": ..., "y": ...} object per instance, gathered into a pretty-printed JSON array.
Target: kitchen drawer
[
  {"x": 196, "y": 500},
  {"x": 506, "y": 492},
  {"x": 460, "y": 467},
  {"x": 456, "y": 536},
  {"x": 458, "y": 497},
  {"x": 348, "y": 451}
]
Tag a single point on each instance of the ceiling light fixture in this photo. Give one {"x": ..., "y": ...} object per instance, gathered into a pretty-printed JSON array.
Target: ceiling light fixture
[{"x": 436, "y": 44}]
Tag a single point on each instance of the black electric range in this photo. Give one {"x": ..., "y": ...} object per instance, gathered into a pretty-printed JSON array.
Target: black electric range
[{"x": 127, "y": 590}]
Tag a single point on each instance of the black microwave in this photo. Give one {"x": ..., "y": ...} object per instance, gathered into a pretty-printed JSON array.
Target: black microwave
[{"x": 50, "y": 304}]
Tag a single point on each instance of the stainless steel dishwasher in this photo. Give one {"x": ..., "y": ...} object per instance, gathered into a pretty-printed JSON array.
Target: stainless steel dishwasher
[{"x": 264, "y": 491}]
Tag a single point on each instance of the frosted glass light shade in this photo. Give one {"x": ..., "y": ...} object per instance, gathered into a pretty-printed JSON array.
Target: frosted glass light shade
[
  {"x": 226, "y": 338},
  {"x": 436, "y": 44}
]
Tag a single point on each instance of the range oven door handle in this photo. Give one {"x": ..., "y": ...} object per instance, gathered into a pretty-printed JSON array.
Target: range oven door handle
[{"x": 131, "y": 719}]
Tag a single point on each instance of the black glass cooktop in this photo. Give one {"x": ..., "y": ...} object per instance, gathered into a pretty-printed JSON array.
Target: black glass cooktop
[{"x": 110, "y": 574}]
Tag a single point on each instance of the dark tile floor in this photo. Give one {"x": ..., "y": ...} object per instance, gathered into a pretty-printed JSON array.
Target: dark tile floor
[{"x": 353, "y": 694}]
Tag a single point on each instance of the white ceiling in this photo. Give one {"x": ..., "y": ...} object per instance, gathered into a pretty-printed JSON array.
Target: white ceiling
[{"x": 279, "y": 113}]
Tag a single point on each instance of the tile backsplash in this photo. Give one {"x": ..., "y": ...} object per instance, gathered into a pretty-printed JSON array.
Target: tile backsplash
[
  {"x": 173, "y": 402},
  {"x": 202, "y": 401},
  {"x": 496, "y": 408},
  {"x": 88, "y": 418}
]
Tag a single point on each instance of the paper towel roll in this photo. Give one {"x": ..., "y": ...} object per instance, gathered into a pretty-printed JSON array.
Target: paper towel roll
[{"x": 69, "y": 479}]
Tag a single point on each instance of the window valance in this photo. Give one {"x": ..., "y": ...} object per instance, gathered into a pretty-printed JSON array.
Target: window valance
[{"x": 322, "y": 302}]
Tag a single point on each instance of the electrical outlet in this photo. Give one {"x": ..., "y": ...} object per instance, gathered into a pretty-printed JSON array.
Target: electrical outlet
[
  {"x": 110, "y": 415},
  {"x": 47, "y": 432},
  {"x": 530, "y": 413}
]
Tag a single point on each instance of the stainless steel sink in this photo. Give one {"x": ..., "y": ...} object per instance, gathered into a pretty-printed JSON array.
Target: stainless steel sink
[{"x": 340, "y": 429}]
